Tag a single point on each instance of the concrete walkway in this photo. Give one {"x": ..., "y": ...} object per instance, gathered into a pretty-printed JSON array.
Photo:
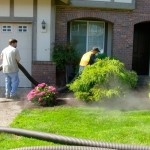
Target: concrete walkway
[{"x": 10, "y": 108}]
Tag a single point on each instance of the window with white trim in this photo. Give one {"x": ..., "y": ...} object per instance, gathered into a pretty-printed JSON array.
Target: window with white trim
[
  {"x": 87, "y": 34},
  {"x": 6, "y": 28},
  {"x": 22, "y": 28}
]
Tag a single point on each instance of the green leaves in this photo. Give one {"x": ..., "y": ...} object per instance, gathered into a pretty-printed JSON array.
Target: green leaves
[
  {"x": 65, "y": 54},
  {"x": 105, "y": 79}
]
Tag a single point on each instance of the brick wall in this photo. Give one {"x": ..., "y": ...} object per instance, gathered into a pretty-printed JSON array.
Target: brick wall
[
  {"x": 123, "y": 25},
  {"x": 44, "y": 71}
]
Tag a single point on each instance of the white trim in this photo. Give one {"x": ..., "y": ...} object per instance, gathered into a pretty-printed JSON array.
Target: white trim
[{"x": 2, "y": 29}]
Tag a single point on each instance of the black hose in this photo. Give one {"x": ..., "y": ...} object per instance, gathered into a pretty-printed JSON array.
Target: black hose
[
  {"x": 25, "y": 73},
  {"x": 62, "y": 89},
  {"x": 28, "y": 75},
  {"x": 70, "y": 140},
  {"x": 34, "y": 82},
  {"x": 63, "y": 139}
]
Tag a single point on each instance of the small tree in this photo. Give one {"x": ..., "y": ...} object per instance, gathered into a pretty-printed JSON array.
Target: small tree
[
  {"x": 105, "y": 79},
  {"x": 67, "y": 60},
  {"x": 65, "y": 54}
]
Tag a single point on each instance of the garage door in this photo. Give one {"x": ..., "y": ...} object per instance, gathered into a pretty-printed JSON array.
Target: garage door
[{"x": 23, "y": 33}]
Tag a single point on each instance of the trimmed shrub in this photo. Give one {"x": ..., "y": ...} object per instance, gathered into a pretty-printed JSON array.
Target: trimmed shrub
[{"x": 105, "y": 79}]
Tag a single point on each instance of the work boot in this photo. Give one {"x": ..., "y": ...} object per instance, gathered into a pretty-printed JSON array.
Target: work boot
[
  {"x": 15, "y": 97},
  {"x": 7, "y": 97}
]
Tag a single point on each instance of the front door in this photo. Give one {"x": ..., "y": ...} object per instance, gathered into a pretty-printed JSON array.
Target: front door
[{"x": 141, "y": 49}]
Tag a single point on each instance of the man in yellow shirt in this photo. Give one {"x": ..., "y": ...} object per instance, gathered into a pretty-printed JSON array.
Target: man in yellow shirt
[{"x": 88, "y": 58}]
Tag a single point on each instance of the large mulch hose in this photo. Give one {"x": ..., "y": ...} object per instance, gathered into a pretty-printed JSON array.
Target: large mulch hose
[
  {"x": 25, "y": 73},
  {"x": 81, "y": 144},
  {"x": 34, "y": 82},
  {"x": 59, "y": 148},
  {"x": 70, "y": 140}
]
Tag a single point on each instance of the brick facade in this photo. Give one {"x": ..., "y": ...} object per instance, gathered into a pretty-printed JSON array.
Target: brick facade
[
  {"x": 123, "y": 22},
  {"x": 43, "y": 71}
]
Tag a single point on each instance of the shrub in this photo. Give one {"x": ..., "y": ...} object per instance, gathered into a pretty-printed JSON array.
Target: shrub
[
  {"x": 43, "y": 95},
  {"x": 67, "y": 58},
  {"x": 65, "y": 54},
  {"x": 101, "y": 56},
  {"x": 105, "y": 79}
]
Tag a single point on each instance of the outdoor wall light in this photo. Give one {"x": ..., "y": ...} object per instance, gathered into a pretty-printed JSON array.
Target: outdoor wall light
[{"x": 43, "y": 25}]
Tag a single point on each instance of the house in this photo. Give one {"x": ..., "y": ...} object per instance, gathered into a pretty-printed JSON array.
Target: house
[
  {"x": 120, "y": 28},
  {"x": 32, "y": 23}
]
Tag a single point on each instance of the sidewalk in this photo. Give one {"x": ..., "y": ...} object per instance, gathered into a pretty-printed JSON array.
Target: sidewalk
[{"x": 9, "y": 108}]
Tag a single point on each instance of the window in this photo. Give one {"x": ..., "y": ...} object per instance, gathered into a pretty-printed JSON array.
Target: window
[
  {"x": 6, "y": 28},
  {"x": 115, "y": 4},
  {"x": 87, "y": 34},
  {"x": 22, "y": 28}
]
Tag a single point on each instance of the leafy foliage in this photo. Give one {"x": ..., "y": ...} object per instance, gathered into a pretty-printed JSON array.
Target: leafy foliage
[
  {"x": 105, "y": 79},
  {"x": 101, "y": 56},
  {"x": 65, "y": 54}
]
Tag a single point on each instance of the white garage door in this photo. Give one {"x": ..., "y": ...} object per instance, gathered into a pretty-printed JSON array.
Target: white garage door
[{"x": 23, "y": 33}]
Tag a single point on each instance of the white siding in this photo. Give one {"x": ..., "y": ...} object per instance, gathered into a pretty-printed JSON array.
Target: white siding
[
  {"x": 23, "y": 8},
  {"x": 52, "y": 26},
  {"x": 4, "y": 8},
  {"x": 43, "y": 37}
]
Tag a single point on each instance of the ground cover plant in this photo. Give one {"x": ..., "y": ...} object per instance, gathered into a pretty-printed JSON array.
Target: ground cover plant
[
  {"x": 130, "y": 127},
  {"x": 107, "y": 78}
]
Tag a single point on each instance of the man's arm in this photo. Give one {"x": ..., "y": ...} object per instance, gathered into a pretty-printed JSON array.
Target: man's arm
[
  {"x": 1, "y": 56},
  {"x": 92, "y": 59},
  {"x": 17, "y": 56}
]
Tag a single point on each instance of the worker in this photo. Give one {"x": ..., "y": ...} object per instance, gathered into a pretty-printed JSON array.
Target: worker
[
  {"x": 88, "y": 58},
  {"x": 10, "y": 57}
]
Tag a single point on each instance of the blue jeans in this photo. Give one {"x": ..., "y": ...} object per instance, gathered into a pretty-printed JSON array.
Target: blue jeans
[
  {"x": 81, "y": 69},
  {"x": 11, "y": 83}
]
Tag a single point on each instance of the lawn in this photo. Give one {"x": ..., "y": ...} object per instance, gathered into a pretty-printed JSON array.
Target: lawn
[{"x": 94, "y": 123}]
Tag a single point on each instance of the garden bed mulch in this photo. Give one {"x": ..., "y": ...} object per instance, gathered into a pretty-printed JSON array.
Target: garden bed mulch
[{"x": 136, "y": 100}]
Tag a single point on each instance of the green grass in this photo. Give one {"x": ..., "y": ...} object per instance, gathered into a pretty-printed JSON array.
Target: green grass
[{"x": 132, "y": 127}]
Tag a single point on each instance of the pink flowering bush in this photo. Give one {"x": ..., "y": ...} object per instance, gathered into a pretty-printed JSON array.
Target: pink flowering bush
[{"x": 43, "y": 95}]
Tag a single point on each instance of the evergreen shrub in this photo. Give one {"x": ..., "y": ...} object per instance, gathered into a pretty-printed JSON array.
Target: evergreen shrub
[
  {"x": 107, "y": 78},
  {"x": 65, "y": 54}
]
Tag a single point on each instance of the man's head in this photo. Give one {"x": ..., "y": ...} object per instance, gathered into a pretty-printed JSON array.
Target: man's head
[
  {"x": 13, "y": 42},
  {"x": 95, "y": 50}
]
